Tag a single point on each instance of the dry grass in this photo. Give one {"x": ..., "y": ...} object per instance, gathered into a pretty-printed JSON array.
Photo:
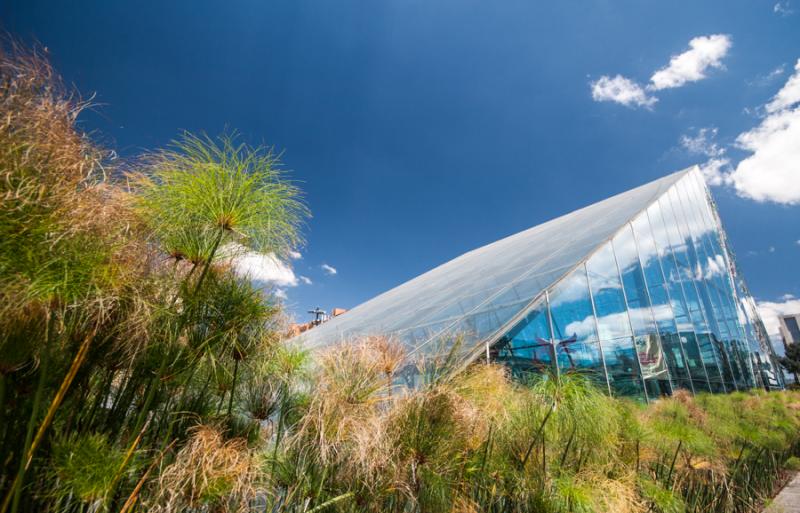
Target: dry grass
[
  {"x": 353, "y": 380},
  {"x": 208, "y": 472}
]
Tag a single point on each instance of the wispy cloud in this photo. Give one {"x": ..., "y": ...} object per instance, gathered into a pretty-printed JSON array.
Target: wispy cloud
[
  {"x": 330, "y": 270},
  {"x": 783, "y": 8},
  {"x": 295, "y": 255},
  {"x": 705, "y": 52},
  {"x": 703, "y": 142},
  {"x": 769, "y": 78},
  {"x": 621, "y": 90},
  {"x": 306, "y": 280}
]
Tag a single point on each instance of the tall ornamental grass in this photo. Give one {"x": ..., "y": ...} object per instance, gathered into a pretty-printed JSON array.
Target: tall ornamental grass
[{"x": 123, "y": 324}]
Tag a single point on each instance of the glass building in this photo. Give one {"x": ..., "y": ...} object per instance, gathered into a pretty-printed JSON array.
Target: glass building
[{"x": 639, "y": 291}]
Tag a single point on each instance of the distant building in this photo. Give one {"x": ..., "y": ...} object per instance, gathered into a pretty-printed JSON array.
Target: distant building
[
  {"x": 640, "y": 292},
  {"x": 320, "y": 316},
  {"x": 790, "y": 328}
]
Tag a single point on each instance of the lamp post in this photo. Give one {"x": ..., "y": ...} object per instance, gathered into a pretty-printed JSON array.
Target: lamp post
[{"x": 319, "y": 316}]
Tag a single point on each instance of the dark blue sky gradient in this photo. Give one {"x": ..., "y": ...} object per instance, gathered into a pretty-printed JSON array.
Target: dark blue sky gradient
[{"x": 421, "y": 129}]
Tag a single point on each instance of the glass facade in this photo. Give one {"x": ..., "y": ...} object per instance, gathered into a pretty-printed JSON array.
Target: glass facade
[
  {"x": 658, "y": 307},
  {"x": 639, "y": 292}
]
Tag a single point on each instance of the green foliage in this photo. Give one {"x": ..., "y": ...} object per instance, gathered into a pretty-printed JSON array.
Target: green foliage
[
  {"x": 793, "y": 464},
  {"x": 86, "y": 466},
  {"x": 661, "y": 499},
  {"x": 111, "y": 351},
  {"x": 791, "y": 361},
  {"x": 203, "y": 193}
]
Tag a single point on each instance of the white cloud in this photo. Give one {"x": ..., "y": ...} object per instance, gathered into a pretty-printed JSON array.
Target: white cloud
[
  {"x": 703, "y": 142},
  {"x": 621, "y": 90},
  {"x": 798, "y": 242},
  {"x": 328, "y": 269},
  {"x": 705, "y": 52},
  {"x": 770, "y": 311},
  {"x": 265, "y": 268},
  {"x": 716, "y": 171},
  {"x": 306, "y": 280},
  {"x": 789, "y": 93},
  {"x": 772, "y": 172},
  {"x": 295, "y": 255},
  {"x": 772, "y": 249}
]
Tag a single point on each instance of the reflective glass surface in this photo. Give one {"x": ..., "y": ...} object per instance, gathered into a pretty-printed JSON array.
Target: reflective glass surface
[
  {"x": 574, "y": 327},
  {"x": 640, "y": 292},
  {"x": 527, "y": 347},
  {"x": 646, "y": 335},
  {"x": 478, "y": 294},
  {"x": 613, "y": 323}
]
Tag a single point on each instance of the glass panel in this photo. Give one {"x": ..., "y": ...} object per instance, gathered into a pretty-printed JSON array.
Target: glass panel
[
  {"x": 633, "y": 283},
  {"x": 648, "y": 252},
  {"x": 670, "y": 268},
  {"x": 689, "y": 305},
  {"x": 622, "y": 367},
  {"x": 574, "y": 334},
  {"x": 613, "y": 324},
  {"x": 612, "y": 318},
  {"x": 648, "y": 347},
  {"x": 659, "y": 299},
  {"x": 526, "y": 347},
  {"x": 693, "y": 284},
  {"x": 718, "y": 282},
  {"x": 688, "y": 371},
  {"x": 694, "y": 359},
  {"x": 710, "y": 268},
  {"x": 653, "y": 364}
]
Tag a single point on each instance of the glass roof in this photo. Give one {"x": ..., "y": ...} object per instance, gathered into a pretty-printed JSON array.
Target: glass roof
[{"x": 480, "y": 292}]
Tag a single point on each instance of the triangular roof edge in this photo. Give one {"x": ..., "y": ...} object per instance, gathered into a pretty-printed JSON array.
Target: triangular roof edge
[
  {"x": 660, "y": 185},
  {"x": 480, "y": 346}
]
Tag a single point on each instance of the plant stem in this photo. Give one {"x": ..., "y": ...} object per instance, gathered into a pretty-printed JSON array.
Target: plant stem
[
  {"x": 129, "y": 503},
  {"x": 128, "y": 456},
  {"x": 279, "y": 433},
  {"x": 15, "y": 492},
  {"x": 674, "y": 459},
  {"x": 233, "y": 386},
  {"x": 2, "y": 398},
  {"x": 181, "y": 325},
  {"x": 535, "y": 437}
]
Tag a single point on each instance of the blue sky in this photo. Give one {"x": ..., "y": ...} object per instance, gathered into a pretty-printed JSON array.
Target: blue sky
[{"x": 423, "y": 129}]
